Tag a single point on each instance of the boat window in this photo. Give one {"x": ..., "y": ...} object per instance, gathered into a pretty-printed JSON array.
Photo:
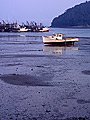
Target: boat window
[{"x": 54, "y": 35}]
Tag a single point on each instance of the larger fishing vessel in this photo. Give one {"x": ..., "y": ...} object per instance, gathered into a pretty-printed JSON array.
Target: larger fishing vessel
[{"x": 29, "y": 27}]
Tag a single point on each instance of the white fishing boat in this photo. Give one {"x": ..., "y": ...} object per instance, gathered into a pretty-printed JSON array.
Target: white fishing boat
[
  {"x": 44, "y": 29},
  {"x": 59, "y": 39},
  {"x": 23, "y": 29}
]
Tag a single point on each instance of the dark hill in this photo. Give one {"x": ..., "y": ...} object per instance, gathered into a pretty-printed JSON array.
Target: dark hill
[{"x": 78, "y": 16}]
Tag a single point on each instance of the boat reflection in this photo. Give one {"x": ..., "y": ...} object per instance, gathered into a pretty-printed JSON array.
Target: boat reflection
[{"x": 58, "y": 49}]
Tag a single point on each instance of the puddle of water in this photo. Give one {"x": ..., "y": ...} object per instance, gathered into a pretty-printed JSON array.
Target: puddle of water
[
  {"x": 86, "y": 72},
  {"x": 24, "y": 80}
]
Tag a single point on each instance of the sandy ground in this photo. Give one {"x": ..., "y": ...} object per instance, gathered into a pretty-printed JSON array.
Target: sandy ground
[{"x": 40, "y": 82}]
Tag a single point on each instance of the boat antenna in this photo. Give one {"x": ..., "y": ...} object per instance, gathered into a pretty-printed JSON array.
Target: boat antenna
[
  {"x": 4, "y": 22},
  {"x": 27, "y": 22}
]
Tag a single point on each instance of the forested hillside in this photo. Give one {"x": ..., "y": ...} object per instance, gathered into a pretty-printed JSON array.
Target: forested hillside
[{"x": 78, "y": 16}]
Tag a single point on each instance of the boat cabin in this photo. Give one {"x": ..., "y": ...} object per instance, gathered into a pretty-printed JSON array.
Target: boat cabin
[{"x": 58, "y": 36}]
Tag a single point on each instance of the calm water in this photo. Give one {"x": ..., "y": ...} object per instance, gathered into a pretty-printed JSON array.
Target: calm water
[{"x": 68, "y": 31}]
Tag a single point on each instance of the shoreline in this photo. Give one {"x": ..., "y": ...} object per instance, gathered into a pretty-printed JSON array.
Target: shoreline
[{"x": 72, "y": 27}]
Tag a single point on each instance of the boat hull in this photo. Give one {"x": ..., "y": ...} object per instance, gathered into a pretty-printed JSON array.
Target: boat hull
[
  {"x": 59, "y": 43},
  {"x": 41, "y": 30},
  {"x": 44, "y": 30}
]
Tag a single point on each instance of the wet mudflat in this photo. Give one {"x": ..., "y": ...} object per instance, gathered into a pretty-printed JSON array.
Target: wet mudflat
[{"x": 39, "y": 82}]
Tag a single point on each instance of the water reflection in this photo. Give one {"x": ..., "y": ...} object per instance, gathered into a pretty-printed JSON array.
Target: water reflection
[{"x": 58, "y": 49}]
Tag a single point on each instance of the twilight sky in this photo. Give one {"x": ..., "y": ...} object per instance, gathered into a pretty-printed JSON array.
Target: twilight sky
[{"x": 34, "y": 10}]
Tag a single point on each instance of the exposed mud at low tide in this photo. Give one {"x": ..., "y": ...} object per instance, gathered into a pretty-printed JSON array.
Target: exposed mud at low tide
[{"x": 40, "y": 82}]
